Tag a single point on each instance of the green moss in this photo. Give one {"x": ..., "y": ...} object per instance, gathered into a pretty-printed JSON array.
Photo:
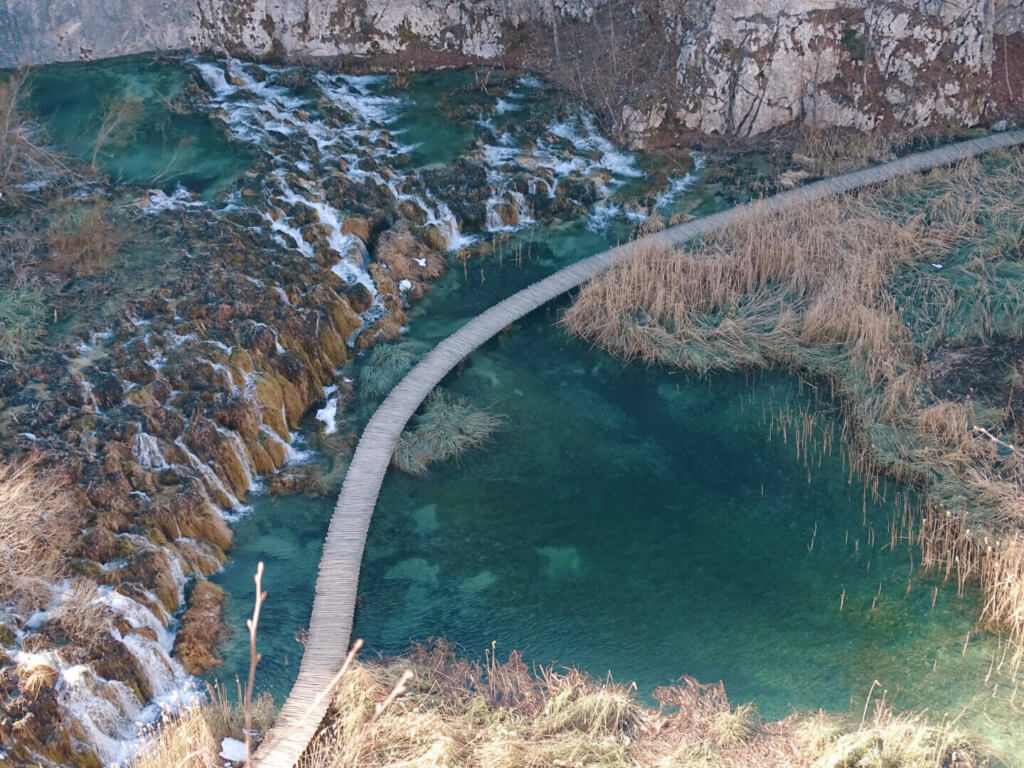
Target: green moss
[{"x": 854, "y": 43}]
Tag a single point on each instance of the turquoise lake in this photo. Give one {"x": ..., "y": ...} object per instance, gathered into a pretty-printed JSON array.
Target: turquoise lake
[{"x": 633, "y": 521}]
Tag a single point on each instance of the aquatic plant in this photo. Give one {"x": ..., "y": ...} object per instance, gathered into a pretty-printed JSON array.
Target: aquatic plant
[
  {"x": 386, "y": 365},
  {"x": 447, "y": 427},
  {"x": 876, "y": 295},
  {"x": 22, "y": 323},
  {"x": 38, "y": 526}
]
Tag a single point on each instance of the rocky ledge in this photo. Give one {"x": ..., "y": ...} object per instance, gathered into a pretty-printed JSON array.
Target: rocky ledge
[{"x": 732, "y": 67}]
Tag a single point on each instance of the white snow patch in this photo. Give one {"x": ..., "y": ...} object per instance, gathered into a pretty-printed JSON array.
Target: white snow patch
[{"x": 233, "y": 750}]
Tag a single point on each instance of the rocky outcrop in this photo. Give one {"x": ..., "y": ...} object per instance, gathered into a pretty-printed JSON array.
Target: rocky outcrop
[
  {"x": 734, "y": 67},
  {"x": 854, "y": 64}
]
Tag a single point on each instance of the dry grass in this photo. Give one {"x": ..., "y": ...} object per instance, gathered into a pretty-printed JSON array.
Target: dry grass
[
  {"x": 82, "y": 238},
  {"x": 35, "y": 677},
  {"x": 828, "y": 151},
  {"x": 22, "y": 323},
  {"x": 82, "y": 620},
  {"x": 226, "y": 718},
  {"x": 459, "y": 714},
  {"x": 182, "y": 739},
  {"x": 499, "y": 715},
  {"x": 190, "y": 737},
  {"x": 859, "y": 292},
  {"x": 894, "y": 740},
  {"x": 38, "y": 526}
]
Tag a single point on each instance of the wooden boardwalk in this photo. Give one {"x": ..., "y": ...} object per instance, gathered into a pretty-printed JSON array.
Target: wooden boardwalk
[{"x": 331, "y": 622}]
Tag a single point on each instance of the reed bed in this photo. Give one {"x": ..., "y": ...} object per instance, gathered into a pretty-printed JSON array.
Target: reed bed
[
  {"x": 829, "y": 151},
  {"x": 876, "y": 295}
]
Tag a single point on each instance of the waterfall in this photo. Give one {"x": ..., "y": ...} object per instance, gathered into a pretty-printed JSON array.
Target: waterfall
[
  {"x": 238, "y": 448},
  {"x": 147, "y": 451},
  {"x": 105, "y": 711},
  {"x": 494, "y": 220},
  {"x": 208, "y": 474}
]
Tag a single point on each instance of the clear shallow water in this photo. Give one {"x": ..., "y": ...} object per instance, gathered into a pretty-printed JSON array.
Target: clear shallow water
[
  {"x": 632, "y": 521},
  {"x": 159, "y": 143},
  {"x": 624, "y": 519},
  {"x": 642, "y": 523}
]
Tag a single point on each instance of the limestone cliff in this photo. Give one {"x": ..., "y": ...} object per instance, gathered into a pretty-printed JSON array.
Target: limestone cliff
[{"x": 735, "y": 67}]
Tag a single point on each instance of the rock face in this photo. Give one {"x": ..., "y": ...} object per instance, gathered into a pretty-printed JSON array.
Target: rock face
[{"x": 735, "y": 67}]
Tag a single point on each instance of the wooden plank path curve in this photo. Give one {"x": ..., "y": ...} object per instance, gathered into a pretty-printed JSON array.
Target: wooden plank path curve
[{"x": 331, "y": 622}]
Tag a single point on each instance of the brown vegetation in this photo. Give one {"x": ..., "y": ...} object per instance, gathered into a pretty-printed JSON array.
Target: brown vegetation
[
  {"x": 81, "y": 619},
  {"x": 38, "y": 527},
  {"x": 433, "y": 709},
  {"x": 200, "y": 628},
  {"x": 82, "y": 238},
  {"x": 190, "y": 737},
  {"x": 869, "y": 294},
  {"x": 829, "y": 151}
]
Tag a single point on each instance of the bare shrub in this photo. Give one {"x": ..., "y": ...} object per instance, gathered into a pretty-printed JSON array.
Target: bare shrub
[
  {"x": 24, "y": 158},
  {"x": 120, "y": 115}
]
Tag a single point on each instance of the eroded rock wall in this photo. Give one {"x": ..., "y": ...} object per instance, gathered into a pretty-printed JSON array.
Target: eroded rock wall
[{"x": 735, "y": 67}]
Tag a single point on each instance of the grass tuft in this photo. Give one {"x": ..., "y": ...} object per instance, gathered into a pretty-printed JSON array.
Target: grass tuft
[
  {"x": 22, "y": 323},
  {"x": 447, "y": 427},
  {"x": 386, "y": 365}
]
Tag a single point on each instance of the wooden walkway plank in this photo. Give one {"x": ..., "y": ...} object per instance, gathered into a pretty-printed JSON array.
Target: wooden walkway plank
[{"x": 333, "y": 607}]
